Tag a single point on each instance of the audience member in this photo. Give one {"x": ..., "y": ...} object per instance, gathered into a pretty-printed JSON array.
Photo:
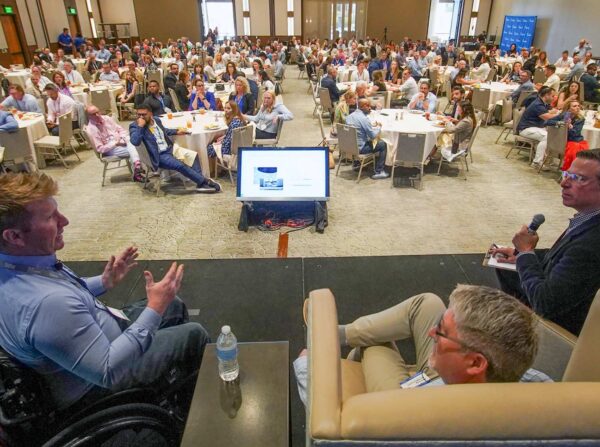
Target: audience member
[
  {"x": 200, "y": 98},
  {"x": 569, "y": 92},
  {"x": 526, "y": 86},
  {"x": 462, "y": 131},
  {"x": 425, "y": 100},
  {"x": 8, "y": 123},
  {"x": 19, "y": 100},
  {"x": 107, "y": 74},
  {"x": 532, "y": 124},
  {"x": 565, "y": 61},
  {"x": 149, "y": 130},
  {"x": 242, "y": 96},
  {"x": 72, "y": 76},
  {"x": 329, "y": 82},
  {"x": 233, "y": 119},
  {"x": 111, "y": 140},
  {"x": 159, "y": 103},
  {"x": 572, "y": 117},
  {"x": 268, "y": 117},
  {"x": 591, "y": 86},
  {"x": 366, "y": 134},
  {"x": 58, "y": 104}
]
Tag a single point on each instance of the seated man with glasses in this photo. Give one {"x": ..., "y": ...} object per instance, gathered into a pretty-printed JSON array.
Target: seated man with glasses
[
  {"x": 483, "y": 336},
  {"x": 559, "y": 284}
]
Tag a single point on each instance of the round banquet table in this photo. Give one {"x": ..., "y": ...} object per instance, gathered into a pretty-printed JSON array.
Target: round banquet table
[
  {"x": 343, "y": 86},
  {"x": 200, "y": 135},
  {"x": 503, "y": 61},
  {"x": 79, "y": 64},
  {"x": 411, "y": 123},
  {"x": 500, "y": 90},
  {"x": 164, "y": 62},
  {"x": 18, "y": 77},
  {"x": 114, "y": 89},
  {"x": 34, "y": 124},
  {"x": 591, "y": 134}
]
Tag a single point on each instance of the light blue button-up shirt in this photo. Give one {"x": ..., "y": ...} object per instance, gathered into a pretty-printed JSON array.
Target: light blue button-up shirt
[
  {"x": 55, "y": 325},
  {"x": 365, "y": 131}
]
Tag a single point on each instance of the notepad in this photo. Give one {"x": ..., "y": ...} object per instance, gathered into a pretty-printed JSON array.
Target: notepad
[{"x": 492, "y": 261}]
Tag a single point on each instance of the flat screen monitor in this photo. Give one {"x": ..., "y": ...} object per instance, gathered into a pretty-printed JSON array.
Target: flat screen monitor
[{"x": 281, "y": 174}]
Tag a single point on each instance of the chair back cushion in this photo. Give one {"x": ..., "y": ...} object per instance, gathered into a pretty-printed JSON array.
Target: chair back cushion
[{"x": 584, "y": 365}]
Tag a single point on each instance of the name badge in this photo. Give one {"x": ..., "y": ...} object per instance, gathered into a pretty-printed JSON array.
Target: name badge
[
  {"x": 416, "y": 381},
  {"x": 117, "y": 313}
]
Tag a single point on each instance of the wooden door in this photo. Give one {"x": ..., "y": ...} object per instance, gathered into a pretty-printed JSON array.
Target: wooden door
[{"x": 15, "y": 49}]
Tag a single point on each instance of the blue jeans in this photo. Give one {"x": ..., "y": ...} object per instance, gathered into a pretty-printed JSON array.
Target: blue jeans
[
  {"x": 380, "y": 147},
  {"x": 167, "y": 161}
]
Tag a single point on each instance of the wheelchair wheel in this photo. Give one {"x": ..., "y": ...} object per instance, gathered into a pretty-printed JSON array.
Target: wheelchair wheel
[{"x": 134, "y": 425}]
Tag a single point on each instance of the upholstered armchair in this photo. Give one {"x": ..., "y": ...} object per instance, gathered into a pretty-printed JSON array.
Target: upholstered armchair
[{"x": 341, "y": 413}]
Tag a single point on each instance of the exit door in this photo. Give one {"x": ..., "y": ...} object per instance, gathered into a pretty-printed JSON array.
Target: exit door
[{"x": 15, "y": 49}]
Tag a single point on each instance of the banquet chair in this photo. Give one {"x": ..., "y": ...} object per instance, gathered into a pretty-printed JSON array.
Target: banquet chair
[
  {"x": 522, "y": 97},
  {"x": 348, "y": 148},
  {"x": 301, "y": 69},
  {"x": 481, "y": 101},
  {"x": 175, "y": 99},
  {"x": 448, "y": 91},
  {"x": 410, "y": 153},
  {"x": 521, "y": 143},
  {"x": 54, "y": 146},
  {"x": 154, "y": 76},
  {"x": 434, "y": 81},
  {"x": 506, "y": 118},
  {"x": 271, "y": 141},
  {"x": 491, "y": 75},
  {"x": 450, "y": 62},
  {"x": 87, "y": 76},
  {"x": 107, "y": 160},
  {"x": 462, "y": 157},
  {"x": 341, "y": 413},
  {"x": 242, "y": 137},
  {"x": 539, "y": 76},
  {"x": 313, "y": 87},
  {"x": 16, "y": 150},
  {"x": 326, "y": 140},
  {"x": 325, "y": 102},
  {"x": 101, "y": 99},
  {"x": 557, "y": 144},
  {"x": 378, "y": 99},
  {"x": 151, "y": 173}
]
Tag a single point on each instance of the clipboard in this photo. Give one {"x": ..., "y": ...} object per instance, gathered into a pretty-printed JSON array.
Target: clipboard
[{"x": 491, "y": 261}]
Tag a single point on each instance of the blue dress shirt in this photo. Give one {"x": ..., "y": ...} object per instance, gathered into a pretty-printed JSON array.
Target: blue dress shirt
[
  {"x": 365, "y": 131},
  {"x": 8, "y": 123},
  {"x": 52, "y": 322}
]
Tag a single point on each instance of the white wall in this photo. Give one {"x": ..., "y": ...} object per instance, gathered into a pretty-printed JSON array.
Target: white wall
[
  {"x": 84, "y": 20},
  {"x": 281, "y": 17},
  {"x": 36, "y": 24},
  {"x": 260, "y": 22},
  {"x": 560, "y": 23},
  {"x": 26, "y": 23},
  {"x": 55, "y": 14},
  {"x": 120, "y": 11}
]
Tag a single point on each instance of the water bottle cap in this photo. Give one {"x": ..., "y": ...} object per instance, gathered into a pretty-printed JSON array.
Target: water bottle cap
[{"x": 225, "y": 330}]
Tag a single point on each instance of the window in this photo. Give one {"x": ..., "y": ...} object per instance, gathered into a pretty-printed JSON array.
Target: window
[
  {"x": 93, "y": 25},
  {"x": 343, "y": 18},
  {"x": 475, "y": 6},
  {"x": 247, "y": 26},
  {"x": 219, "y": 14},
  {"x": 443, "y": 20},
  {"x": 472, "y": 26}
]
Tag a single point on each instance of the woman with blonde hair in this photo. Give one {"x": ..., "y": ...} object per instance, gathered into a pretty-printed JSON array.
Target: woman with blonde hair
[
  {"x": 242, "y": 95},
  {"x": 342, "y": 110},
  {"x": 573, "y": 118},
  {"x": 268, "y": 117},
  {"x": 218, "y": 63}
]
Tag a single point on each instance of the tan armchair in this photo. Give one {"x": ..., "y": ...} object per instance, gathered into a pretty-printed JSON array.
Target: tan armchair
[{"x": 340, "y": 412}]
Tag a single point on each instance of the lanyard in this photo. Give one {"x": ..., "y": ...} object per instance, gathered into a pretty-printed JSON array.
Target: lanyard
[{"x": 52, "y": 273}]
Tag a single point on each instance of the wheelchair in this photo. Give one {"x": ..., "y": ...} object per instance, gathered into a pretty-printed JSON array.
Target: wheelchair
[{"x": 135, "y": 417}]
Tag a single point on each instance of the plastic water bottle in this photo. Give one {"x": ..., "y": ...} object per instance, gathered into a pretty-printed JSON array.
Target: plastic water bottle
[{"x": 229, "y": 368}]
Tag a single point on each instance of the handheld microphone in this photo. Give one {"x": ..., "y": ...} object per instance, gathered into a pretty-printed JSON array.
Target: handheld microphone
[{"x": 537, "y": 220}]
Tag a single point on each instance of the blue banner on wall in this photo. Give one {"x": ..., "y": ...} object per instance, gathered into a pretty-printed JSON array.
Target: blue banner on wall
[{"x": 519, "y": 30}]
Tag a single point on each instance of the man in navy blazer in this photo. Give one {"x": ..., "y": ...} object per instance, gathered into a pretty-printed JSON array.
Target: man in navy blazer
[
  {"x": 559, "y": 284},
  {"x": 149, "y": 130},
  {"x": 329, "y": 82}
]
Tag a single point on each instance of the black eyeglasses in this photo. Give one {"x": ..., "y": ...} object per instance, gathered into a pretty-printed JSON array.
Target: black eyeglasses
[{"x": 438, "y": 333}]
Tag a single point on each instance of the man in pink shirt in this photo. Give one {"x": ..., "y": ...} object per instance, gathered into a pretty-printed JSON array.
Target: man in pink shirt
[{"x": 110, "y": 139}]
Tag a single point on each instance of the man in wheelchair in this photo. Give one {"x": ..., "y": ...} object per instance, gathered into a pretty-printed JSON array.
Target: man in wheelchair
[{"x": 86, "y": 353}]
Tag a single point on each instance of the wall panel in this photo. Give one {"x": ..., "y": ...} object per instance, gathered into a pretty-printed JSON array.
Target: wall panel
[
  {"x": 560, "y": 24},
  {"x": 26, "y": 23},
  {"x": 162, "y": 20},
  {"x": 36, "y": 23},
  {"x": 400, "y": 17},
  {"x": 56, "y": 18},
  {"x": 281, "y": 28},
  {"x": 260, "y": 24},
  {"x": 120, "y": 11}
]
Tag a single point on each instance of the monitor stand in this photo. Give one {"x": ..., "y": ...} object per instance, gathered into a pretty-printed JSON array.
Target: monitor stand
[{"x": 262, "y": 213}]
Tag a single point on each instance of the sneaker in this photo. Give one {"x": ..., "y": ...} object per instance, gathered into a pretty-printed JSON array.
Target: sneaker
[
  {"x": 216, "y": 186},
  {"x": 138, "y": 177},
  {"x": 205, "y": 189},
  {"x": 380, "y": 175}
]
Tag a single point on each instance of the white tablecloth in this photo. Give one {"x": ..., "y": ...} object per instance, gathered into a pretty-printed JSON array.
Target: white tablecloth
[
  {"x": 79, "y": 64},
  {"x": 411, "y": 123},
  {"x": 500, "y": 90},
  {"x": 35, "y": 125},
  {"x": 343, "y": 86},
  {"x": 84, "y": 97},
  {"x": 592, "y": 135},
  {"x": 164, "y": 63},
  {"x": 18, "y": 77},
  {"x": 200, "y": 137},
  {"x": 503, "y": 61}
]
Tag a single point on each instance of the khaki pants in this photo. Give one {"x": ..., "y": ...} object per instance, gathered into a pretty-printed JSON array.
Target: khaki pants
[{"x": 383, "y": 366}]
